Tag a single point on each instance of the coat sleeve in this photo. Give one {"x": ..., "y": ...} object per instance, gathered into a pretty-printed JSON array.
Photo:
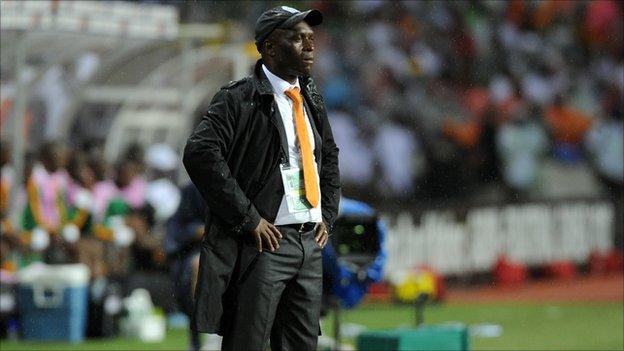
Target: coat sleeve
[
  {"x": 205, "y": 161},
  {"x": 330, "y": 175}
]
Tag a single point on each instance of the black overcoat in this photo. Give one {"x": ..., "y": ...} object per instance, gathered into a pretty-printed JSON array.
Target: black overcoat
[{"x": 233, "y": 158}]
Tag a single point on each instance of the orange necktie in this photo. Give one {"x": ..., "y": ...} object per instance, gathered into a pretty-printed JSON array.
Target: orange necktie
[{"x": 309, "y": 174}]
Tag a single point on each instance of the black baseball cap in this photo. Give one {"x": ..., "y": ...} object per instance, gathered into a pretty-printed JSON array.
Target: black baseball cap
[{"x": 283, "y": 17}]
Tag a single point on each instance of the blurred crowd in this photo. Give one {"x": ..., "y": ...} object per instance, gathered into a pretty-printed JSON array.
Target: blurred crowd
[
  {"x": 446, "y": 100},
  {"x": 460, "y": 99},
  {"x": 122, "y": 220},
  {"x": 71, "y": 193},
  {"x": 465, "y": 100}
]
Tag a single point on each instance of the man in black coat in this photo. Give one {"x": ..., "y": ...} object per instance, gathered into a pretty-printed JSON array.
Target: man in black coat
[
  {"x": 265, "y": 161},
  {"x": 182, "y": 242}
]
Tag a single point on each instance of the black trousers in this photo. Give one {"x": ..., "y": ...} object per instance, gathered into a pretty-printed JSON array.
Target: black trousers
[{"x": 279, "y": 297}]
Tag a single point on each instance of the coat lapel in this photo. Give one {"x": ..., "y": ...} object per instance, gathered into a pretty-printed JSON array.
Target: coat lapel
[
  {"x": 276, "y": 119},
  {"x": 267, "y": 101},
  {"x": 317, "y": 137}
]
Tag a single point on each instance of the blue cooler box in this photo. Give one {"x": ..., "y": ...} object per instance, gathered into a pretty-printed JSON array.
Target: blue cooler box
[{"x": 52, "y": 301}]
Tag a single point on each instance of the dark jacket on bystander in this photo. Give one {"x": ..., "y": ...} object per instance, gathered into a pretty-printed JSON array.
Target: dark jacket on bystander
[{"x": 233, "y": 158}]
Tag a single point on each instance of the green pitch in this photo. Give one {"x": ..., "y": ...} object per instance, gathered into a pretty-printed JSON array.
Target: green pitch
[
  {"x": 597, "y": 326},
  {"x": 559, "y": 326}
]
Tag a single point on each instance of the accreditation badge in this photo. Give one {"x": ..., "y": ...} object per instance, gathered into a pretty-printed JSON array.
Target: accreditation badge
[{"x": 294, "y": 189}]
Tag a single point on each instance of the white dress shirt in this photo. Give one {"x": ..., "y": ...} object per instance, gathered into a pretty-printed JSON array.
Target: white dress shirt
[{"x": 285, "y": 107}]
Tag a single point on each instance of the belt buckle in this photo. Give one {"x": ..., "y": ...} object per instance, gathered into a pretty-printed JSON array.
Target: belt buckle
[{"x": 306, "y": 225}]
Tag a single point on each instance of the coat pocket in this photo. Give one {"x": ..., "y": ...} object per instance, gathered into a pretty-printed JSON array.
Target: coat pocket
[{"x": 269, "y": 195}]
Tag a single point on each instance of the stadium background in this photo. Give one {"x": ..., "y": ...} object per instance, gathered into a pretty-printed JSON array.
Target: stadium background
[{"x": 487, "y": 133}]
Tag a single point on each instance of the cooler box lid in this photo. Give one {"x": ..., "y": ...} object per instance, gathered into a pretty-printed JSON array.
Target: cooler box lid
[{"x": 70, "y": 275}]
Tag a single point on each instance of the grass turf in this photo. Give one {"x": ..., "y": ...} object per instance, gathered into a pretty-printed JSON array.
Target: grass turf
[
  {"x": 596, "y": 326},
  {"x": 525, "y": 326}
]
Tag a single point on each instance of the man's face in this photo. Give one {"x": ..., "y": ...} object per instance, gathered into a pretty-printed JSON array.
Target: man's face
[{"x": 294, "y": 49}]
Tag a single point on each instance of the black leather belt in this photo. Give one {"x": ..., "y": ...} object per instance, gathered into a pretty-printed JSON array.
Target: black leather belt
[{"x": 300, "y": 227}]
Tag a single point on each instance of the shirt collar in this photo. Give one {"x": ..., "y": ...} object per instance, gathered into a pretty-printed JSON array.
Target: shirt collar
[{"x": 279, "y": 85}]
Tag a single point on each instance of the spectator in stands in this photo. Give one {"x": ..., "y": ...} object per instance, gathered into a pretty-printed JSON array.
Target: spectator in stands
[
  {"x": 396, "y": 149},
  {"x": 185, "y": 230},
  {"x": 162, "y": 193},
  {"x": 94, "y": 150},
  {"x": 487, "y": 159},
  {"x": 147, "y": 254},
  {"x": 567, "y": 127},
  {"x": 10, "y": 243},
  {"x": 606, "y": 145},
  {"x": 522, "y": 143},
  {"x": 128, "y": 185},
  {"x": 47, "y": 209},
  {"x": 147, "y": 261},
  {"x": 6, "y": 182},
  {"x": 135, "y": 156},
  {"x": 113, "y": 200},
  {"x": 91, "y": 249},
  {"x": 354, "y": 150}
]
